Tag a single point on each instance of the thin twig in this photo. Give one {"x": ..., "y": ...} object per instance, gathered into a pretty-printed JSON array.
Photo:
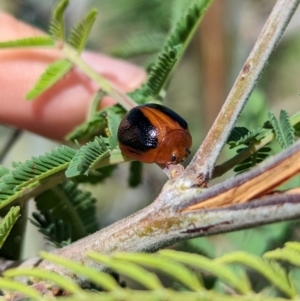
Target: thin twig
[
  {"x": 201, "y": 167},
  {"x": 103, "y": 83}
]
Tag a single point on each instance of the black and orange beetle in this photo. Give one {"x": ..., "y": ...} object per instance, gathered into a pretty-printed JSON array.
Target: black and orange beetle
[{"x": 153, "y": 133}]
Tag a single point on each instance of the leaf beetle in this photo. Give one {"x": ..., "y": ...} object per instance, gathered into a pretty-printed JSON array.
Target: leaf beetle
[{"x": 153, "y": 133}]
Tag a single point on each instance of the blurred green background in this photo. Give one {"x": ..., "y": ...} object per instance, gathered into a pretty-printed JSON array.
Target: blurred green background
[{"x": 197, "y": 91}]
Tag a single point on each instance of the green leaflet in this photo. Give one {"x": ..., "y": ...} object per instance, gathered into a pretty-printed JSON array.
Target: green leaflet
[
  {"x": 3, "y": 170},
  {"x": 113, "y": 119},
  {"x": 80, "y": 33},
  {"x": 269, "y": 269},
  {"x": 7, "y": 223},
  {"x": 66, "y": 213},
  {"x": 12, "y": 285},
  {"x": 28, "y": 175},
  {"x": 28, "y": 42},
  {"x": 158, "y": 76},
  {"x": 104, "y": 280},
  {"x": 237, "y": 282},
  {"x": 52, "y": 75},
  {"x": 57, "y": 26},
  {"x": 284, "y": 131},
  {"x": 161, "y": 70},
  {"x": 174, "y": 48},
  {"x": 254, "y": 159},
  {"x": 62, "y": 282},
  {"x": 87, "y": 157},
  {"x": 56, "y": 231},
  {"x": 241, "y": 135},
  {"x": 135, "y": 272},
  {"x": 185, "y": 27},
  {"x": 169, "y": 267},
  {"x": 286, "y": 254}
]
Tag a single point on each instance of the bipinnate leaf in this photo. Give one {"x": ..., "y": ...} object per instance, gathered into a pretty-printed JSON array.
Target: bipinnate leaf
[
  {"x": 284, "y": 131},
  {"x": 87, "y": 157},
  {"x": 52, "y": 75},
  {"x": 80, "y": 33},
  {"x": 56, "y": 231},
  {"x": 42, "y": 41},
  {"x": 29, "y": 174},
  {"x": 161, "y": 70},
  {"x": 66, "y": 213},
  {"x": 172, "y": 52},
  {"x": 57, "y": 26},
  {"x": 7, "y": 223}
]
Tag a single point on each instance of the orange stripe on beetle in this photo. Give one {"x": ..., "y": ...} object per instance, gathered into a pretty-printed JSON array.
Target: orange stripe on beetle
[{"x": 153, "y": 133}]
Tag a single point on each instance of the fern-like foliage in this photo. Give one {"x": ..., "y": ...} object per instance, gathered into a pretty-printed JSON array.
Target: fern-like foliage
[
  {"x": 43, "y": 41},
  {"x": 7, "y": 223},
  {"x": 79, "y": 34},
  {"x": 290, "y": 253},
  {"x": 66, "y": 214},
  {"x": 52, "y": 75},
  {"x": 241, "y": 136},
  {"x": 178, "y": 266},
  {"x": 161, "y": 70},
  {"x": 28, "y": 175},
  {"x": 87, "y": 157},
  {"x": 56, "y": 231},
  {"x": 57, "y": 26},
  {"x": 284, "y": 131},
  {"x": 3, "y": 170},
  {"x": 113, "y": 120},
  {"x": 271, "y": 270},
  {"x": 178, "y": 40}
]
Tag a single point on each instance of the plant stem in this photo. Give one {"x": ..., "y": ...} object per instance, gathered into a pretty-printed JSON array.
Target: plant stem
[
  {"x": 201, "y": 167},
  {"x": 103, "y": 83}
]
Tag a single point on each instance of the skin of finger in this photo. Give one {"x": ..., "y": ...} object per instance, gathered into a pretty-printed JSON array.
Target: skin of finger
[{"x": 63, "y": 106}]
